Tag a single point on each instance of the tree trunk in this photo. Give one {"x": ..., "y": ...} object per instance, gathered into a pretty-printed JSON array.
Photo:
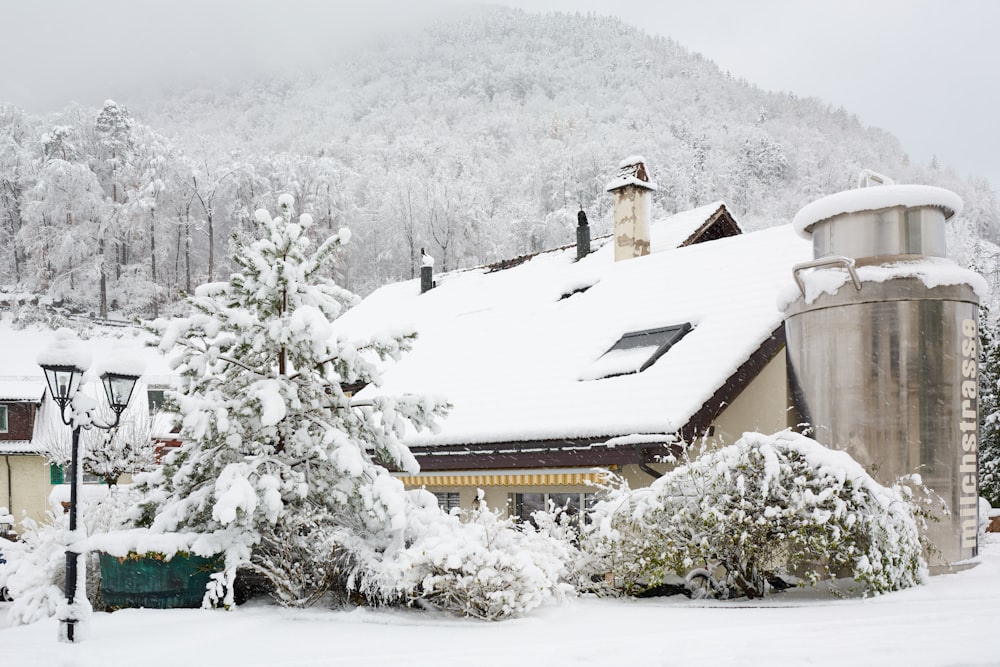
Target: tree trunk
[
  {"x": 211, "y": 246},
  {"x": 187, "y": 255},
  {"x": 103, "y": 280},
  {"x": 152, "y": 261}
]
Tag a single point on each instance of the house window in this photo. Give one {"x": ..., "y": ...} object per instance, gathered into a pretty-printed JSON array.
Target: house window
[
  {"x": 59, "y": 474},
  {"x": 574, "y": 504},
  {"x": 155, "y": 398},
  {"x": 3, "y": 418},
  {"x": 448, "y": 500},
  {"x": 636, "y": 351}
]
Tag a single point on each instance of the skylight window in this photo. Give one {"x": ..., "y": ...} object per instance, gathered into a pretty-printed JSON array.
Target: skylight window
[{"x": 636, "y": 351}]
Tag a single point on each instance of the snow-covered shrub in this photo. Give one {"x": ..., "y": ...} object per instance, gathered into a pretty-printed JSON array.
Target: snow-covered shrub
[
  {"x": 278, "y": 461},
  {"x": 35, "y": 572},
  {"x": 484, "y": 566},
  {"x": 611, "y": 546},
  {"x": 35, "y": 569},
  {"x": 127, "y": 449},
  {"x": 984, "y": 517},
  {"x": 762, "y": 507}
]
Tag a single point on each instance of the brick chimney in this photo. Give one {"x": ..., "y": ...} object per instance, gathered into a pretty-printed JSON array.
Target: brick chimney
[{"x": 633, "y": 193}]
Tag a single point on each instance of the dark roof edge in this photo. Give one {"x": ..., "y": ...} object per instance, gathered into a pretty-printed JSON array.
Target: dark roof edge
[
  {"x": 734, "y": 385},
  {"x": 590, "y": 451}
]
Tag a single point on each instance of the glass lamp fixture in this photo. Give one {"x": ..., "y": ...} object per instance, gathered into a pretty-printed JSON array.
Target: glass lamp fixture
[
  {"x": 64, "y": 382},
  {"x": 118, "y": 387}
]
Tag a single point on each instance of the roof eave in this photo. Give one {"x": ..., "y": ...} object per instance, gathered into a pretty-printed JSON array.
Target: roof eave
[{"x": 592, "y": 451}]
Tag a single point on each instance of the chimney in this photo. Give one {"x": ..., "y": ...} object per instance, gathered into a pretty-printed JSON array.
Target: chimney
[
  {"x": 426, "y": 272},
  {"x": 582, "y": 235},
  {"x": 632, "y": 189}
]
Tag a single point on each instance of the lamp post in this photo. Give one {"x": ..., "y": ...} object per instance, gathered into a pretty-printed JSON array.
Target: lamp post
[{"x": 65, "y": 364}]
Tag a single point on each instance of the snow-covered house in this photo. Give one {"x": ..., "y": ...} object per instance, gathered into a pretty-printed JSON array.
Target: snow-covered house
[
  {"x": 24, "y": 478},
  {"x": 29, "y": 420},
  {"x": 556, "y": 365}
]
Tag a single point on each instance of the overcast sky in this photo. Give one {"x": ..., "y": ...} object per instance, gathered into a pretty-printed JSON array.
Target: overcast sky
[{"x": 925, "y": 70}]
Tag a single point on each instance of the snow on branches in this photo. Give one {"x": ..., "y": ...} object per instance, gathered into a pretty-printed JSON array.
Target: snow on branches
[
  {"x": 481, "y": 565},
  {"x": 763, "y": 507},
  {"x": 276, "y": 457}
]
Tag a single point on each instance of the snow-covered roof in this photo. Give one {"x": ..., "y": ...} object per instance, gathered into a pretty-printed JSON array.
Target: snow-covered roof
[
  {"x": 26, "y": 345},
  {"x": 18, "y": 447},
  {"x": 22, "y": 389},
  {"x": 684, "y": 227},
  {"x": 510, "y": 348}
]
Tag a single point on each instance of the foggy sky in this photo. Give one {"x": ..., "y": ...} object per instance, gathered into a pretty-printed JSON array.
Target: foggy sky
[{"x": 925, "y": 70}]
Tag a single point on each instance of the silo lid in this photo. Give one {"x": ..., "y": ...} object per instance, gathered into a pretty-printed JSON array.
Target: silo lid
[{"x": 873, "y": 199}]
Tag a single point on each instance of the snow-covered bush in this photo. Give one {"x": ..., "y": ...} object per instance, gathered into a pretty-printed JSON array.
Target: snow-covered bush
[
  {"x": 485, "y": 566},
  {"x": 277, "y": 462},
  {"x": 35, "y": 571},
  {"x": 127, "y": 449},
  {"x": 762, "y": 507}
]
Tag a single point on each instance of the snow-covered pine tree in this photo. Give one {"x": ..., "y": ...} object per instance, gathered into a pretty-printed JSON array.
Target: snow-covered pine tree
[
  {"x": 278, "y": 467},
  {"x": 989, "y": 408}
]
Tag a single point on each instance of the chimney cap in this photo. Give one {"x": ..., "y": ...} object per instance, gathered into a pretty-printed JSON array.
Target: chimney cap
[
  {"x": 873, "y": 199},
  {"x": 631, "y": 171}
]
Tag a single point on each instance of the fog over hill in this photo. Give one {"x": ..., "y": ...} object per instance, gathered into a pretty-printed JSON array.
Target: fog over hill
[{"x": 476, "y": 138}]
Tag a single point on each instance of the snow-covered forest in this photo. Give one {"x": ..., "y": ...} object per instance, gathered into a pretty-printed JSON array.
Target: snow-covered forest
[{"x": 477, "y": 138}]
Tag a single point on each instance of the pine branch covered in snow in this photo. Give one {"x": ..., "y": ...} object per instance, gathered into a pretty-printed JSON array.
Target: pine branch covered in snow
[
  {"x": 989, "y": 408},
  {"x": 275, "y": 458}
]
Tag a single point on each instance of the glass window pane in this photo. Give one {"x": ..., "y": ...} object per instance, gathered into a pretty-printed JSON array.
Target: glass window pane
[
  {"x": 635, "y": 351},
  {"x": 448, "y": 500},
  {"x": 527, "y": 503}
]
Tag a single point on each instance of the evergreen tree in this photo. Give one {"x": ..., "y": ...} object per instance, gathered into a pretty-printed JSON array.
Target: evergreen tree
[
  {"x": 277, "y": 464},
  {"x": 989, "y": 408}
]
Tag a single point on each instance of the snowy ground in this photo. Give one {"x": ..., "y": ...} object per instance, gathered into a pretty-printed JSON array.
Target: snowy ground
[{"x": 952, "y": 621}]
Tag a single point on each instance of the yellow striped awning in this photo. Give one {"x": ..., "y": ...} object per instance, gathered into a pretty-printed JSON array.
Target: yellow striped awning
[{"x": 512, "y": 478}]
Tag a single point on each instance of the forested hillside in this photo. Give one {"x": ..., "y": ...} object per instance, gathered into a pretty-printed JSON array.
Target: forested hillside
[{"x": 477, "y": 139}]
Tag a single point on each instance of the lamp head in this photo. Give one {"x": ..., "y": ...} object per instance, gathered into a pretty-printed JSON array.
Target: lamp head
[
  {"x": 119, "y": 388},
  {"x": 63, "y": 381}
]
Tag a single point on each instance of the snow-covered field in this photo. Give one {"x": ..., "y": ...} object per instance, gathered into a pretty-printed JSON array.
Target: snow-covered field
[{"x": 954, "y": 620}]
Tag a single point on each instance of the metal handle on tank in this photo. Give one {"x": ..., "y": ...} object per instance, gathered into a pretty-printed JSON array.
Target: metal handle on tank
[{"x": 846, "y": 262}]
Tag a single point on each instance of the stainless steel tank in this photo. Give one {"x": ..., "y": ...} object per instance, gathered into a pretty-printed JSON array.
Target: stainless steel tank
[{"x": 884, "y": 365}]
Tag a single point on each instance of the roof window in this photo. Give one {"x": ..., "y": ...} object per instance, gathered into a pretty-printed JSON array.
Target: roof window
[{"x": 636, "y": 351}]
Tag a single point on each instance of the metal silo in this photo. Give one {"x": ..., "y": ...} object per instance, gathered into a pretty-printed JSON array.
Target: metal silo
[{"x": 882, "y": 345}]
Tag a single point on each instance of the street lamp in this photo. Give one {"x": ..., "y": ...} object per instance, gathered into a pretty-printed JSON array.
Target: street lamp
[{"x": 65, "y": 363}]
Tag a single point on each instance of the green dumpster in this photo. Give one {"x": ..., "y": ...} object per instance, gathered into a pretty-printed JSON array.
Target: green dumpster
[{"x": 152, "y": 582}]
